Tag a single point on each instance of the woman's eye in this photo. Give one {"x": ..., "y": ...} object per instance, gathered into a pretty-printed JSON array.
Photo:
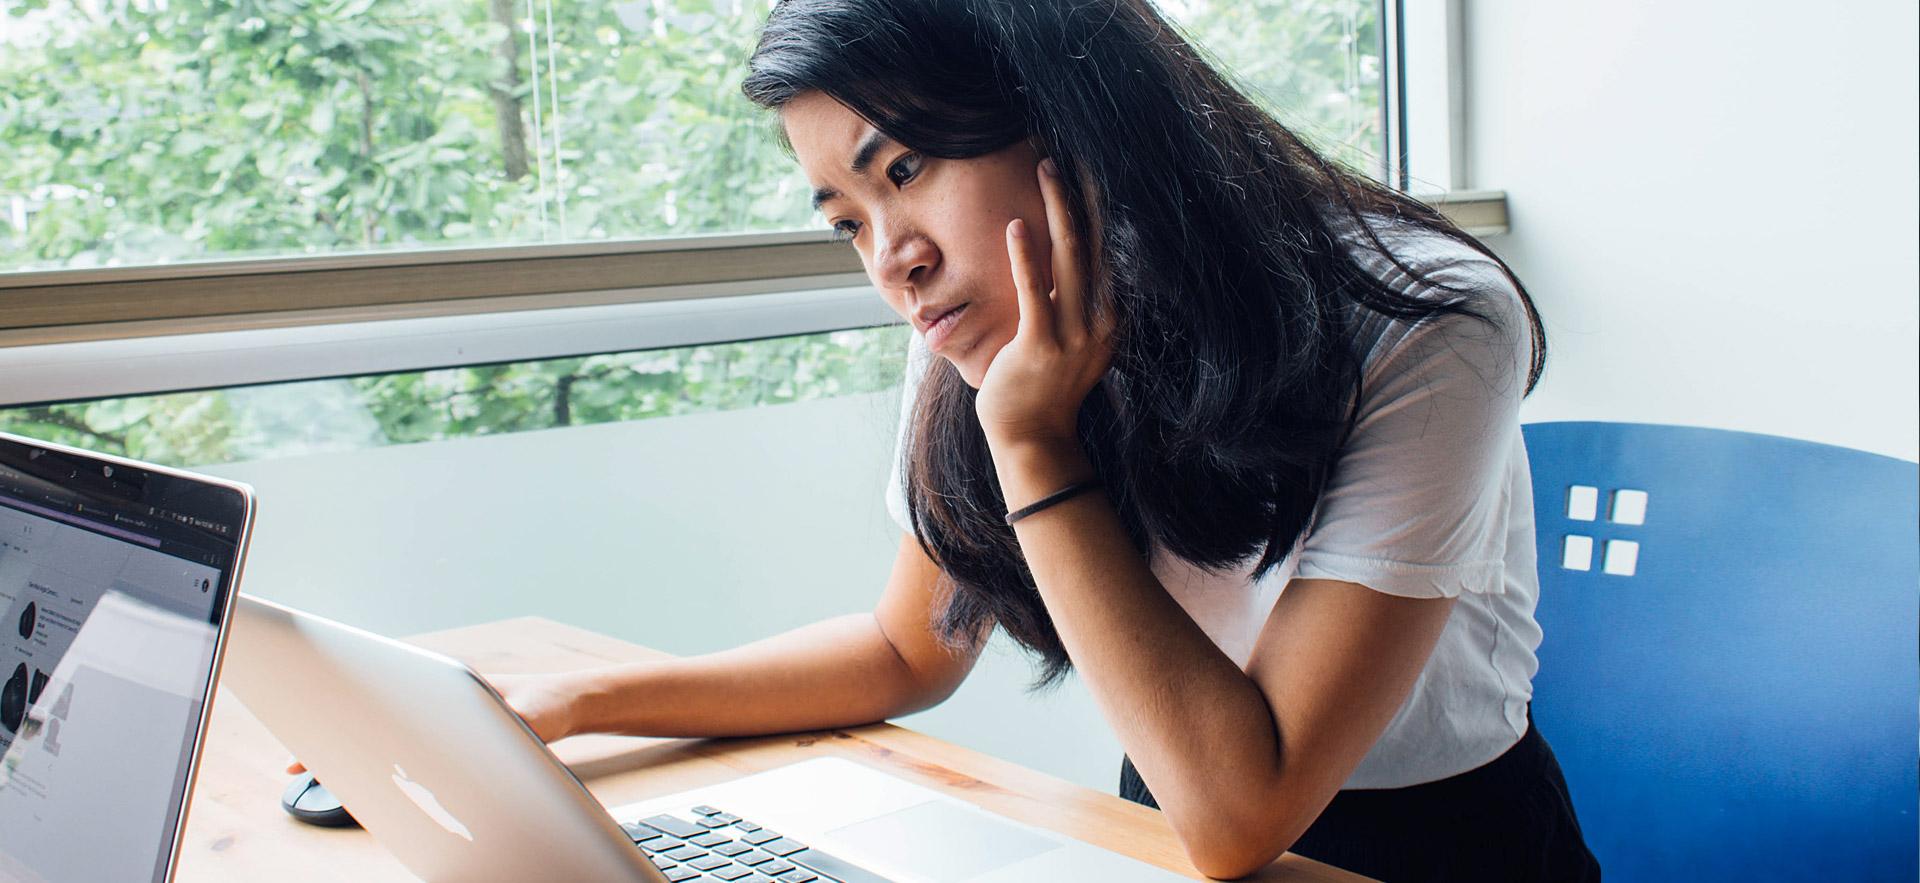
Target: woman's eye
[
  {"x": 904, "y": 168},
  {"x": 845, "y": 230}
]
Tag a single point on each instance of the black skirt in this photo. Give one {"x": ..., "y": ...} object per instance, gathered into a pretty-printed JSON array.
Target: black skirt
[{"x": 1510, "y": 819}]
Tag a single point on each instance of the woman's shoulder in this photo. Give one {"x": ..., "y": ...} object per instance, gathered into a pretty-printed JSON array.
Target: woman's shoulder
[
  {"x": 1421, "y": 261},
  {"x": 1492, "y": 329}
]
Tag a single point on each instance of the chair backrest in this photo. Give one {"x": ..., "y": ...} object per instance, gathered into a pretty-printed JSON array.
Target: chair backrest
[{"x": 1730, "y": 673}]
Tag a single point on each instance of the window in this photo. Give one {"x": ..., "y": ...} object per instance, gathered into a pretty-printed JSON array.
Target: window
[
  {"x": 1315, "y": 64},
  {"x": 140, "y": 132}
]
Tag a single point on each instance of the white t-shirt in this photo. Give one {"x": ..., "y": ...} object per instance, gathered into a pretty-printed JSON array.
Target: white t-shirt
[{"x": 1431, "y": 497}]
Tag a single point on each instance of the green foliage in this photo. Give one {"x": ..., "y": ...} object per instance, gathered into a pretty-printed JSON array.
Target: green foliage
[
  {"x": 143, "y": 132},
  {"x": 1315, "y": 64}
]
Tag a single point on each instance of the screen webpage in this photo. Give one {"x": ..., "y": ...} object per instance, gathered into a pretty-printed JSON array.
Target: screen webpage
[{"x": 106, "y": 647}]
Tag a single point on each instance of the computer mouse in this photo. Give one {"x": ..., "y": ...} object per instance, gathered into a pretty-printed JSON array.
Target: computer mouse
[{"x": 309, "y": 801}]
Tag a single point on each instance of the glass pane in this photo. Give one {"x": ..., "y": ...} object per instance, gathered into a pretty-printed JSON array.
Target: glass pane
[
  {"x": 273, "y": 421},
  {"x": 151, "y": 131},
  {"x": 148, "y": 131},
  {"x": 1314, "y": 63}
]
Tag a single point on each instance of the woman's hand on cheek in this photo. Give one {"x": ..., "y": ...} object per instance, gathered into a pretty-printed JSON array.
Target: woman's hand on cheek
[{"x": 1033, "y": 389}]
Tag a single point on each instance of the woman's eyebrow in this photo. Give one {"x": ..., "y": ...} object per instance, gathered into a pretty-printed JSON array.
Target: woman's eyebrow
[
  {"x": 870, "y": 145},
  {"x": 862, "y": 158},
  {"x": 822, "y": 195}
]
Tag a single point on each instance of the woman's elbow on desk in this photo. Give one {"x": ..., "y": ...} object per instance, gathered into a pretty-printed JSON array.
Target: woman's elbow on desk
[
  {"x": 1225, "y": 848},
  {"x": 1229, "y": 836},
  {"x": 1234, "y": 863}
]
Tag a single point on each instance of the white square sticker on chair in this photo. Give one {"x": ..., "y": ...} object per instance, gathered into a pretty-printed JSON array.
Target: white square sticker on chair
[
  {"x": 1622, "y": 557},
  {"x": 1629, "y": 507},
  {"x": 1577, "y": 554},
  {"x": 1583, "y": 503}
]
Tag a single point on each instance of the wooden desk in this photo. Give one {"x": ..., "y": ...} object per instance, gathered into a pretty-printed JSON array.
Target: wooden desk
[{"x": 236, "y": 830}]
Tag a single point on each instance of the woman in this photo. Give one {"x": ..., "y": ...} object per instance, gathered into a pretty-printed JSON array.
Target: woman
[{"x": 1224, "y": 427}]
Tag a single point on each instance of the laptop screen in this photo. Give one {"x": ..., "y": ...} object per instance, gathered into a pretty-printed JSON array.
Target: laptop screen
[{"x": 114, "y": 580}]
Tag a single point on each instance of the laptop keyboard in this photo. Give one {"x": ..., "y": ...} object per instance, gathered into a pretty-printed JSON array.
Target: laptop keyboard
[{"x": 710, "y": 845}]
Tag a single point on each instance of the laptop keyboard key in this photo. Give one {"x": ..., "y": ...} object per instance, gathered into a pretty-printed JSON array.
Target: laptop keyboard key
[
  {"x": 774, "y": 867},
  {"x": 678, "y": 874},
  {"x": 832, "y": 866},
  {"x": 684, "y": 853},
  {"x": 753, "y": 857},
  {"x": 671, "y": 825},
  {"x": 746, "y": 825},
  {"x": 661, "y": 843},
  {"x": 798, "y": 875},
  {"x": 710, "y": 840},
  {"x": 783, "y": 847},
  {"x": 731, "y": 848},
  {"x": 732, "y": 872},
  {"x": 711, "y": 822},
  {"x": 727, "y": 817},
  {"x": 707, "y": 863},
  {"x": 761, "y": 836}
]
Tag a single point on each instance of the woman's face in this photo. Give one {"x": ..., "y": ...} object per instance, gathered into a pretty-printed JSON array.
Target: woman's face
[{"x": 931, "y": 232}]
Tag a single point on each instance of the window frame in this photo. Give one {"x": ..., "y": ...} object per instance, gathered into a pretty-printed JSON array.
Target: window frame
[
  {"x": 70, "y": 306},
  {"x": 137, "y": 366},
  {"x": 1430, "y": 107},
  {"x": 351, "y": 304}
]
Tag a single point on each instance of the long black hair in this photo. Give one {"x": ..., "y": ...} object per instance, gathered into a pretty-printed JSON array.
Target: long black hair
[{"x": 1223, "y": 253}]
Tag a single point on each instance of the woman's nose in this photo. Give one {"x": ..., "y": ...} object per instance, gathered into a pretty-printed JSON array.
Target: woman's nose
[{"x": 904, "y": 260}]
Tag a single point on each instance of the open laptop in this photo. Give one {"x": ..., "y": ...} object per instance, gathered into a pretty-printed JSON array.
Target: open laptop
[
  {"x": 114, "y": 581},
  {"x": 436, "y": 766}
]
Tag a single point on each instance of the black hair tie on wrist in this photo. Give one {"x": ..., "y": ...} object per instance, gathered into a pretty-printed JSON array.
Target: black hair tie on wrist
[{"x": 1058, "y": 496}]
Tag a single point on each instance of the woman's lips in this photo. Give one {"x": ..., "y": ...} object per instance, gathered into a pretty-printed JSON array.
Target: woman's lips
[{"x": 942, "y": 328}]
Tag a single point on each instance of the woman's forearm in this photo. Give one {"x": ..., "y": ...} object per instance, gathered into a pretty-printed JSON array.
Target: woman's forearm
[
  {"x": 834, "y": 673},
  {"x": 1241, "y": 760},
  {"x": 1196, "y": 726}
]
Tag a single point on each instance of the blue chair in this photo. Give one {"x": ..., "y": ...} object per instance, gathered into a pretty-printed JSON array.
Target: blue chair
[{"x": 1730, "y": 674}]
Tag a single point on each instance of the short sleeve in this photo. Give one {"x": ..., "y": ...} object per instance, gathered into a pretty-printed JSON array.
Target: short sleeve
[
  {"x": 1418, "y": 501},
  {"x": 917, "y": 358}
]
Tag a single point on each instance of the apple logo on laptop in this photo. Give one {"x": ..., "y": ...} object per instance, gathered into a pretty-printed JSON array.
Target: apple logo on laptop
[{"x": 429, "y": 804}]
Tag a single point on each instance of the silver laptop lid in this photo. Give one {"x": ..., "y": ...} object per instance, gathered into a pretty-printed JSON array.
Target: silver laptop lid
[
  {"x": 115, "y": 578},
  {"x": 423, "y": 753}
]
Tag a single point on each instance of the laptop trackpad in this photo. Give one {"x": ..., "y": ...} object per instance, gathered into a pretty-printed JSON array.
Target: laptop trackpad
[{"x": 942, "y": 841}]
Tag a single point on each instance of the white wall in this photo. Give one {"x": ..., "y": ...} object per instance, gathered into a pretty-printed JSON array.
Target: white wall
[{"x": 1714, "y": 205}]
